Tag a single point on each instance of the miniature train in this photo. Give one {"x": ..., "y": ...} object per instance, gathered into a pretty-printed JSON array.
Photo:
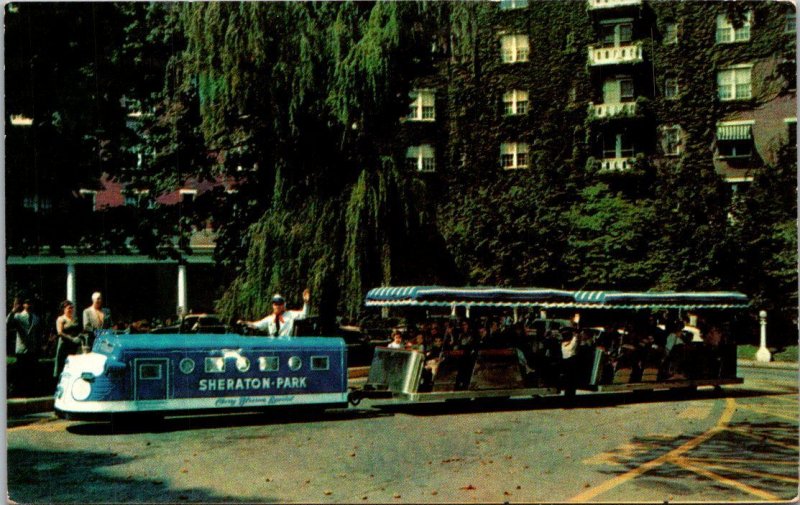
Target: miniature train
[
  {"x": 201, "y": 372},
  {"x": 176, "y": 373}
]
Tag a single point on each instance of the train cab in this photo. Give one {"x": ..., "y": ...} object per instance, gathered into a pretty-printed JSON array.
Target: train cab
[{"x": 176, "y": 373}]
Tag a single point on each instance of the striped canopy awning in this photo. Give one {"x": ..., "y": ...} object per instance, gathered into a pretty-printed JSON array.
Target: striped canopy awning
[
  {"x": 438, "y": 296},
  {"x": 434, "y": 296},
  {"x": 661, "y": 300},
  {"x": 735, "y": 132}
]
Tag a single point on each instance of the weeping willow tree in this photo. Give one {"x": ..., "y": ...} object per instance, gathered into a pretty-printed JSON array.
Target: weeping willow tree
[{"x": 302, "y": 91}]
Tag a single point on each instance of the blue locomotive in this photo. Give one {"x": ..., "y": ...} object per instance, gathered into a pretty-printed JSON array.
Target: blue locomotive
[{"x": 201, "y": 372}]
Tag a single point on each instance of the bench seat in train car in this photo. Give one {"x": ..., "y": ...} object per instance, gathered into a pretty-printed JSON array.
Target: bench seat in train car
[
  {"x": 170, "y": 373},
  {"x": 401, "y": 374}
]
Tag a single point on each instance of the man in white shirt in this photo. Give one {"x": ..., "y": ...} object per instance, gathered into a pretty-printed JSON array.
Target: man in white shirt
[{"x": 281, "y": 322}]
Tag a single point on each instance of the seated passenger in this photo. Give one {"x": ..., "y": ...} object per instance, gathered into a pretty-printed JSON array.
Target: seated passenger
[
  {"x": 397, "y": 340},
  {"x": 418, "y": 344}
]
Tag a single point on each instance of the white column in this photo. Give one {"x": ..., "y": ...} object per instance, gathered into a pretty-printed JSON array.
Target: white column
[
  {"x": 182, "y": 308},
  {"x": 516, "y": 315},
  {"x": 763, "y": 353},
  {"x": 71, "y": 282},
  {"x": 467, "y": 311},
  {"x": 453, "y": 310},
  {"x": 542, "y": 314},
  {"x": 385, "y": 312}
]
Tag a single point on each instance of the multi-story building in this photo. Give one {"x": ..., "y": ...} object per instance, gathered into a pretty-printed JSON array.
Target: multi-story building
[{"x": 628, "y": 80}]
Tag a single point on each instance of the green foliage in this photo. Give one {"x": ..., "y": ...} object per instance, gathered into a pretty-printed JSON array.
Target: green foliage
[{"x": 306, "y": 97}]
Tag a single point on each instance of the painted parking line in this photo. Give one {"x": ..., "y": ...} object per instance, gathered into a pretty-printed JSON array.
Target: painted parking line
[
  {"x": 744, "y": 471},
  {"x": 722, "y": 423},
  {"x": 764, "y": 495}
]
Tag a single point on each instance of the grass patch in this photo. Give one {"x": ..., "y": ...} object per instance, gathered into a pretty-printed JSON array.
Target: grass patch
[{"x": 787, "y": 354}]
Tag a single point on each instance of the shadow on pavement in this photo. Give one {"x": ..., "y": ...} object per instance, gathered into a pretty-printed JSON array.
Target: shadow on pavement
[
  {"x": 587, "y": 401},
  {"x": 83, "y": 477},
  {"x": 143, "y": 423},
  {"x": 762, "y": 455}
]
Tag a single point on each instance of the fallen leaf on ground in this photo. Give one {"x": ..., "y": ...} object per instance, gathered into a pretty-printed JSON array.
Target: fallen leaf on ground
[
  {"x": 328, "y": 493},
  {"x": 396, "y": 497},
  {"x": 434, "y": 493},
  {"x": 469, "y": 487}
]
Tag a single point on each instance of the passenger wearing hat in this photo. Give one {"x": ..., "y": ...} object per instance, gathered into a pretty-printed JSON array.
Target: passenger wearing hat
[{"x": 281, "y": 322}]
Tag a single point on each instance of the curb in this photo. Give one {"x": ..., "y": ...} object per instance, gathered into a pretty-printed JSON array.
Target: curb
[
  {"x": 780, "y": 365},
  {"x": 24, "y": 406}
]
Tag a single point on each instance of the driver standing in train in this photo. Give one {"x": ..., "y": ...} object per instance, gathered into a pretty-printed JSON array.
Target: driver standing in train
[{"x": 281, "y": 322}]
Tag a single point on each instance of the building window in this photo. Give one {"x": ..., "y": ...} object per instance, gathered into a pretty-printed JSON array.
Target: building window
[
  {"x": 671, "y": 89},
  {"x": 618, "y": 89},
  {"x": 513, "y": 155},
  {"x": 187, "y": 195},
  {"x": 790, "y": 25},
  {"x": 735, "y": 139},
  {"x": 37, "y": 203},
  {"x": 671, "y": 33},
  {"x": 508, "y": 5},
  {"x": 617, "y": 34},
  {"x": 422, "y": 106},
  {"x": 727, "y": 33},
  {"x": 734, "y": 83},
  {"x": 421, "y": 158},
  {"x": 514, "y": 48},
  {"x": 671, "y": 140},
  {"x": 89, "y": 196},
  {"x": 515, "y": 102},
  {"x": 617, "y": 146},
  {"x": 626, "y": 90}
]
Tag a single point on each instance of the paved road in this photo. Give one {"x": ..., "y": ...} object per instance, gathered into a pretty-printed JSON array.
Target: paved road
[{"x": 740, "y": 445}]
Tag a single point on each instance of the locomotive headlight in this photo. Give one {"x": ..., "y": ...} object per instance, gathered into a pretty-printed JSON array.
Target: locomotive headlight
[{"x": 81, "y": 389}]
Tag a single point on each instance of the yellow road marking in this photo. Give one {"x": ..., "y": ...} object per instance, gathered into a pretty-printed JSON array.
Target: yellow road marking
[
  {"x": 763, "y": 438},
  {"x": 764, "y": 475},
  {"x": 724, "y": 480},
  {"x": 769, "y": 412},
  {"x": 727, "y": 415},
  {"x": 741, "y": 460},
  {"x": 788, "y": 398}
]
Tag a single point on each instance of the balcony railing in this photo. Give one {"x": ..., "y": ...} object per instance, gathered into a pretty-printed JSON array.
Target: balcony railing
[
  {"x": 615, "y": 55},
  {"x": 603, "y": 110},
  {"x": 616, "y": 164},
  {"x": 610, "y": 4}
]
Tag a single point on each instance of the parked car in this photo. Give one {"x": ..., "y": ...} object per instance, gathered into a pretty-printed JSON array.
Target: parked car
[{"x": 195, "y": 323}]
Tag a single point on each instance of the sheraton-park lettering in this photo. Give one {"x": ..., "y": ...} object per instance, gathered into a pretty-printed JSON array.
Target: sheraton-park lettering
[{"x": 252, "y": 383}]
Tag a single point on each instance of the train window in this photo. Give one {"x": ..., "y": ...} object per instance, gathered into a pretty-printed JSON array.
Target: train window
[
  {"x": 268, "y": 363},
  {"x": 187, "y": 365},
  {"x": 319, "y": 363},
  {"x": 150, "y": 372},
  {"x": 215, "y": 364},
  {"x": 295, "y": 363},
  {"x": 242, "y": 364}
]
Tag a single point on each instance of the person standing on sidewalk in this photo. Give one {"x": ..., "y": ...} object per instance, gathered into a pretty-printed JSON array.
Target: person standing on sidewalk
[
  {"x": 27, "y": 329},
  {"x": 69, "y": 330}
]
